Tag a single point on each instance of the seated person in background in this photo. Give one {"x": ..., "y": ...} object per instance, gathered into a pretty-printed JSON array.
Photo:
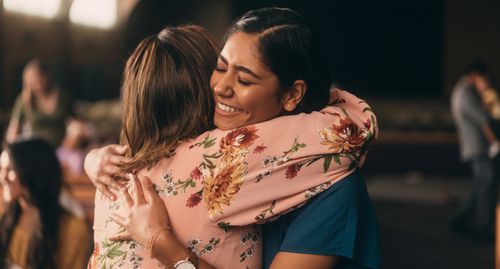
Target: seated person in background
[
  {"x": 42, "y": 107},
  {"x": 72, "y": 151},
  {"x": 35, "y": 231},
  {"x": 71, "y": 154}
]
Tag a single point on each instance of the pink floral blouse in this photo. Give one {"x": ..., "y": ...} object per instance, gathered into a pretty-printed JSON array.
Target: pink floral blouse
[{"x": 217, "y": 187}]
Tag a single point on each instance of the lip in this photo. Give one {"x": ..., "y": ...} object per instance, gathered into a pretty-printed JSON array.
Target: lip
[{"x": 222, "y": 112}]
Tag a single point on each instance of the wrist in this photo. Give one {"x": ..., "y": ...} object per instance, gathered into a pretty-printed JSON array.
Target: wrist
[
  {"x": 153, "y": 238},
  {"x": 168, "y": 250}
]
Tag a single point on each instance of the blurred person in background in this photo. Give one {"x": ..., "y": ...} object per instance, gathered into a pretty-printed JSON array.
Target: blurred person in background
[
  {"x": 72, "y": 151},
  {"x": 35, "y": 231},
  {"x": 490, "y": 100},
  {"x": 42, "y": 107},
  {"x": 479, "y": 147},
  {"x": 71, "y": 154}
]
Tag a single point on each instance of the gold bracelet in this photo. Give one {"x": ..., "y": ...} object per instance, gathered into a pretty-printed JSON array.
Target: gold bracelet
[{"x": 153, "y": 239}]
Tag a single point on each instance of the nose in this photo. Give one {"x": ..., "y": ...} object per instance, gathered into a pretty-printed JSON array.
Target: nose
[{"x": 223, "y": 86}]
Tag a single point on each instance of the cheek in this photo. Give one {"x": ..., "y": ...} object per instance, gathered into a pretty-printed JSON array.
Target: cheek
[
  {"x": 265, "y": 104},
  {"x": 10, "y": 192},
  {"x": 213, "y": 80}
]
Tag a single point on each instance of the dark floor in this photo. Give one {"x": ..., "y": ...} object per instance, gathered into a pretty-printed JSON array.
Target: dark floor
[{"x": 413, "y": 211}]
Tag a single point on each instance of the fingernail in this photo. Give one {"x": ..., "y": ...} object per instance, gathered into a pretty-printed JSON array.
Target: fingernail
[{"x": 147, "y": 180}]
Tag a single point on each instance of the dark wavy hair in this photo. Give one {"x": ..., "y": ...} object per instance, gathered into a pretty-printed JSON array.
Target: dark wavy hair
[
  {"x": 39, "y": 172},
  {"x": 291, "y": 50}
]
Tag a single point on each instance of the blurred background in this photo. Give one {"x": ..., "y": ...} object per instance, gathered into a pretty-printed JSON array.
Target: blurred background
[{"x": 403, "y": 57}]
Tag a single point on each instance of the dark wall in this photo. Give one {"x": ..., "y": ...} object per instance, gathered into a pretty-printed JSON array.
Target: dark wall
[
  {"x": 385, "y": 48},
  {"x": 472, "y": 32},
  {"x": 150, "y": 16}
]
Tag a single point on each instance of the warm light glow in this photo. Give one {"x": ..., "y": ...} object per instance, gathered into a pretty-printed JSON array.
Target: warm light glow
[
  {"x": 96, "y": 13},
  {"x": 42, "y": 8}
]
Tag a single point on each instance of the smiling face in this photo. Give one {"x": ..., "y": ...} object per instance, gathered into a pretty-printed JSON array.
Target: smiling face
[
  {"x": 11, "y": 188},
  {"x": 245, "y": 90}
]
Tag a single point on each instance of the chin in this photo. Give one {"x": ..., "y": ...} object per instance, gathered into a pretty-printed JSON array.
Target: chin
[{"x": 224, "y": 125}]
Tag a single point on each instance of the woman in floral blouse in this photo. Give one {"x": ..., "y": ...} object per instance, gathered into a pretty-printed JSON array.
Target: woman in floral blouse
[{"x": 242, "y": 176}]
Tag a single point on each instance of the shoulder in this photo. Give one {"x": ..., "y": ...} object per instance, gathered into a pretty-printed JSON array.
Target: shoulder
[
  {"x": 342, "y": 193},
  {"x": 18, "y": 104}
]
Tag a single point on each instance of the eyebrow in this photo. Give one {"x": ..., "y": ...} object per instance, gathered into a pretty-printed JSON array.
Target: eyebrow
[{"x": 241, "y": 68}]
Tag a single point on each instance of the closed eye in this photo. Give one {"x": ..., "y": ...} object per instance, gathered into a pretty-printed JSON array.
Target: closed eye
[
  {"x": 219, "y": 69},
  {"x": 244, "y": 83}
]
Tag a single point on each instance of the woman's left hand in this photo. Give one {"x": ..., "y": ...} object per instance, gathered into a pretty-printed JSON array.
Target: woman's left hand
[{"x": 146, "y": 213}]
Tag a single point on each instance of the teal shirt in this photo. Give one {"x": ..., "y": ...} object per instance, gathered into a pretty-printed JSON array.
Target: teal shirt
[{"x": 340, "y": 222}]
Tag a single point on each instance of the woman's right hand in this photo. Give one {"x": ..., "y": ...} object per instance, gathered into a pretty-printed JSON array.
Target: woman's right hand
[{"x": 101, "y": 164}]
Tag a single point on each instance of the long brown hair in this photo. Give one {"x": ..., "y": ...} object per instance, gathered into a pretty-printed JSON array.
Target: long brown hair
[
  {"x": 39, "y": 172},
  {"x": 166, "y": 93}
]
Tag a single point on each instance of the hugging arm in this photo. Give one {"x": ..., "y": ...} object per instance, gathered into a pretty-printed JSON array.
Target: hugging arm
[
  {"x": 146, "y": 222},
  {"x": 102, "y": 164},
  {"x": 291, "y": 260}
]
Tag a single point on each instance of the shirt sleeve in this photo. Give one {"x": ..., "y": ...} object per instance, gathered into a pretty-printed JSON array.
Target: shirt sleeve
[{"x": 307, "y": 157}]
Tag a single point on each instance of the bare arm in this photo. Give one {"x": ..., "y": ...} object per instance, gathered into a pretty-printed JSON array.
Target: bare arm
[
  {"x": 291, "y": 260},
  {"x": 489, "y": 134},
  {"x": 13, "y": 130}
]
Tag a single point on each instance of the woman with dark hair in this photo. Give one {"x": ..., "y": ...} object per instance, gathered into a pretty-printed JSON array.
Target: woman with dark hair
[
  {"x": 35, "y": 231},
  {"x": 42, "y": 108},
  {"x": 253, "y": 175}
]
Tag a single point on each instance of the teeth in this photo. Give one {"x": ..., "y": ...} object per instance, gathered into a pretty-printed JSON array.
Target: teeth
[{"x": 226, "y": 108}]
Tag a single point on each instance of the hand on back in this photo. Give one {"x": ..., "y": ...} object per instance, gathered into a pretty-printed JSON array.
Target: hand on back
[{"x": 102, "y": 164}]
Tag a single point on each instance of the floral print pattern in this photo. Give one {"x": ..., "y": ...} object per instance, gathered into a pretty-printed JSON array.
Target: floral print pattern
[
  {"x": 316, "y": 190},
  {"x": 252, "y": 238},
  {"x": 271, "y": 162},
  {"x": 234, "y": 179},
  {"x": 195, "y": 245},
  {"x": 222, "y": 183}
]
